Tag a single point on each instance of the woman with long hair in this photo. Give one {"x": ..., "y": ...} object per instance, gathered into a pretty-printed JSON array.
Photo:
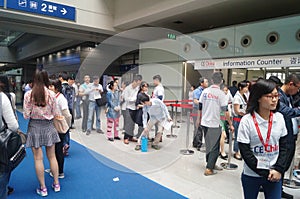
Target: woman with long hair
[
  {"x": 139, "y": 111},
  {"x": 40, "y": 108},
  {"x": 239, "y": 110},
  {"x": 262, "y": 142}
]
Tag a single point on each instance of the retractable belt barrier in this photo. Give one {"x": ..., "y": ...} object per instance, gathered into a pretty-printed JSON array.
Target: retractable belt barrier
[{"x": 183, "y": 104}]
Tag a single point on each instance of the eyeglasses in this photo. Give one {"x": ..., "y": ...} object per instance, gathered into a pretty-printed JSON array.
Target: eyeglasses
[{"x": 270, "y": 96}]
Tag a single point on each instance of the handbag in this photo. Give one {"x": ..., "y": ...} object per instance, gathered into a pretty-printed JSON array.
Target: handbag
[{"x": 60, "y": 124}]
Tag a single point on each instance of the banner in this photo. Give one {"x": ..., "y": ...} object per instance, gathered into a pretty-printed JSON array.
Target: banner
[{"x": 248, "y": 62}]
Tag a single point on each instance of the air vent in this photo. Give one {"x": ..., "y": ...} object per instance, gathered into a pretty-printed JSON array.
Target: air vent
[
  {"x": 273, "y": 38},
  {"x": 223, "y": 43},
  {"x": 246, "y": 41},
  {"x": 204, "y": 45}
]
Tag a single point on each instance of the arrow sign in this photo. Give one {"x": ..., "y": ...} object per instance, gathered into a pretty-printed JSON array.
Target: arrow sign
[
  {"x": 41, "y": 7},
  {"x": 63, "y": 11}
]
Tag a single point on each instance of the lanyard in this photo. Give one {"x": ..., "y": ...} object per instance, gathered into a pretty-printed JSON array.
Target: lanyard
[
  {"x": 269, "y": 129},
  {"x": 57, "y": 94}
]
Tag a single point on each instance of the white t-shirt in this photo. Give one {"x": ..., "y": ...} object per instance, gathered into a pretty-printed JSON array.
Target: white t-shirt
[
  {"x": 247, "y": 134},
  {"x": 212, "y": 99},
  {"x": 238, "y": 99},
  {"x": 159, "y": 91},
  {"x": 62, "y": 102},
  {"x": 93, "y": 94}
]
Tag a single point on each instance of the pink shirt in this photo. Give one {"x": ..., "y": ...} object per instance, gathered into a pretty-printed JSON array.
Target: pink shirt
[{"x": 37, "y": 112}]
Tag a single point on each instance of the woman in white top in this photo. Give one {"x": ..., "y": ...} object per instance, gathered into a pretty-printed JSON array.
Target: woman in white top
[
  {"x": 262, "y": 142},
  {"x": 9, "y": 118},
  {"x": 62, "y": 104},
  {"x": 239, "y": 110}
]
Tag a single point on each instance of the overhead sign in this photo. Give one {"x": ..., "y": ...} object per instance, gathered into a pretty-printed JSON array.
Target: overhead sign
[
  {"x": 248, "y": 62},
  {"x": 43, "y": 8},
  {"x": 1, "y": 3}
]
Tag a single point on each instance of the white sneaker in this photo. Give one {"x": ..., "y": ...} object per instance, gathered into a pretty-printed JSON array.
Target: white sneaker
[
  {"x": 56, "y": 187},
  {"x": 42, "y": 192}
]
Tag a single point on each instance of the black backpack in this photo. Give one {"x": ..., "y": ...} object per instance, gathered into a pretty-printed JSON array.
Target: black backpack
[
  {"x": 11, "y": 148},
  {"x": 68, "y": 92}
]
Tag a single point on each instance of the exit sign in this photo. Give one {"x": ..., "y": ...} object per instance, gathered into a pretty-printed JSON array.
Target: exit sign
[{"x": 171, "y": 36}]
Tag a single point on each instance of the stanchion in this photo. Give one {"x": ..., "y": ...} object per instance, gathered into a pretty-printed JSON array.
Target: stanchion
[
  {"x": 175, "y": 118},
  {"x": 187, "y": 151},
  {"x": 228, "y": 165},
  {"x": 171, "y": 135},
  {"x": 290, "y": 183}
]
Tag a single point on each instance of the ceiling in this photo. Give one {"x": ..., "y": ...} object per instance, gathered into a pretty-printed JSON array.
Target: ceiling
[
  {"x": 228, "y": 13},
  {"x": 17, "y": 34}
]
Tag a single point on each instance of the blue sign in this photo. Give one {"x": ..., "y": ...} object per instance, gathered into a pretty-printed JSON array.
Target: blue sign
[
  {"x": 1, "y": 3},
  {"x": 43, "y": 8}
]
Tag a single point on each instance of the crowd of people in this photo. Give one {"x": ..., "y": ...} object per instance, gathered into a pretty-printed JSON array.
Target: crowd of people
[{"x": 261, "y": 115}]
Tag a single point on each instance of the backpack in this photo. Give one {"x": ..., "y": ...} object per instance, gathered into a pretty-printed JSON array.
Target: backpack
[
  {"x": 68, "y": 92},
  {"x": 11, "y": 148},
  {"x": 103, "y": 100}
]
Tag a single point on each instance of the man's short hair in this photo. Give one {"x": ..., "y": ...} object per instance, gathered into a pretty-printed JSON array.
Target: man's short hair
[
  {"x": 217, "y": 77},
  {"x": 95, "y": 77},
  {"x": 201, "y": 80},
  {"x": 64, "y": 76},
  {"x": 137, "y": 78},
  {"x": 295, "y": 78},
  {"x": 158, "y": 77}
]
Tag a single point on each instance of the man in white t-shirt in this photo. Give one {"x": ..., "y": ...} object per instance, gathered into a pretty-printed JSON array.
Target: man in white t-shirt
[
  {"x": 94, "y": 90},
  {"x": 212, "y": 103},
  {"x": 159, "y": 91}
]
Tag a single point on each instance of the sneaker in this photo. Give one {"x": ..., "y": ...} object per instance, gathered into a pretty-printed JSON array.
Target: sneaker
[
  {"x": 100, "y": 131},
  {"x": 286, "y": 195},
  {"x": 137, "y": 147},
  {"x": 56, "y": 187},
  {"x": 156, "y": 147},
  {"x": 88, "y": 132},
  {"x": 10, "y": 190},
  {"x": 61, "y": 175},
  {"x": 42, "y": 192}
]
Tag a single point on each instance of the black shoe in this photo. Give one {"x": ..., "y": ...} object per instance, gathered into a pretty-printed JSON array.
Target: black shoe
[
  {"x": 223, "y": 157},
  {"x": 84, "y": 130},
  {"x": 111, "y": 139},
  {"x": 10, "y": 190},
  {"x": 117, "y": 138},
  {"x": 286, "y": 195}
]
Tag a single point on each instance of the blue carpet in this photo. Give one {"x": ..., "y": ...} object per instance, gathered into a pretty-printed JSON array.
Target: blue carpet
[{"x": 86, "y": 177}]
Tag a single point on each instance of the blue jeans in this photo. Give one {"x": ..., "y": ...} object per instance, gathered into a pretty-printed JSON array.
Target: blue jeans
[
  {"x": 235, "y": 144},
  {"x": 272, "y": 190},
  {"x": 4, "y": 178},
  {"x": 67, "y": 138},
  {"x": 93, "y": 107}
]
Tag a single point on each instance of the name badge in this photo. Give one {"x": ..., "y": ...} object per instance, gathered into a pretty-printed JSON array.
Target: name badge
[{"x": 263, "y": 162}]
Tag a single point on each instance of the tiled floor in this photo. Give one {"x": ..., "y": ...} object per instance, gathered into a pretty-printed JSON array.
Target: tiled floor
[{"x": 180, "y": 173}]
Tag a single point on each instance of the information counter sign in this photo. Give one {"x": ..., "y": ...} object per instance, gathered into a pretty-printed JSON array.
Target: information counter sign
[
  {"x": 43, "y": 8},
  {"x": 248, "y": 62}
]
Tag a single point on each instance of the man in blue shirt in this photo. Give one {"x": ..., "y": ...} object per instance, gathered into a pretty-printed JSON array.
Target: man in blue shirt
[
  {"x": 198, "y": 133},
  {"x": 288, "y": 89}
]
